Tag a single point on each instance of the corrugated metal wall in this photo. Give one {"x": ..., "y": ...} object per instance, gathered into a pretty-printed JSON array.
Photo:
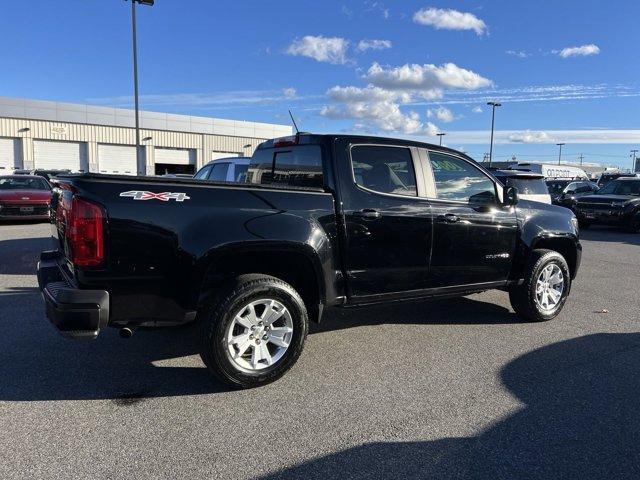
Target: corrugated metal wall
[{"x": 203, "y": 144}]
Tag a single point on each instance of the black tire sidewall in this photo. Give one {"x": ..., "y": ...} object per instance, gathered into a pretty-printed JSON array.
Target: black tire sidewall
[{"x": 219, "y": 320}]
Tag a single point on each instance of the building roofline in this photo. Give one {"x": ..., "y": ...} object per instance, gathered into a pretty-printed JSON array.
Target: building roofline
[{"x": 63, "y": 112}]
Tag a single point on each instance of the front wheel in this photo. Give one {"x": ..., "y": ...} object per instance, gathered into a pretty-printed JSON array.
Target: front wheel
[
  {"x": 254, "y": 332},
  {"x": 634, "y": 225},
  {"x": 545, "y": 288}
]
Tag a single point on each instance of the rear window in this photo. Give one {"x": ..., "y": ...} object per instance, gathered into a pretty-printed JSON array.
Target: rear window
[
  {"x": 219, "y": 172},
  {"x": 299, "y": 166},
  {"x": 529, "y": 186}
]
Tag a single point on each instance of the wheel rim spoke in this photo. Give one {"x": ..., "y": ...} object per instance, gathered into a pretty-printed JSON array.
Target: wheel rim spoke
[
  {"x": 549, "y": 287},
  {"x": 278, "y": 336},
  {"x": 259, "y": 335},
  {"x": 272, "y": 313}
]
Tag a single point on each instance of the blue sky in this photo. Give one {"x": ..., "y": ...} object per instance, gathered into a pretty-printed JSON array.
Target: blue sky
[{"x": 565, "y": 71}]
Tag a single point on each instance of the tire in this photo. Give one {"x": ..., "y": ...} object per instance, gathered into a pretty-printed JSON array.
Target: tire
[
  {"x": 634, "y": 225},
  {"x": 220, "y": 318},
  {"x": 583, "y": 224},
  {"x": 524, "y": 298}
]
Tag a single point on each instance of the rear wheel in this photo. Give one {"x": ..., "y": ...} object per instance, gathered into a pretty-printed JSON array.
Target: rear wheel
[
  {"x": 254, "y": 332},
  {"x": 545, "y": 288}
]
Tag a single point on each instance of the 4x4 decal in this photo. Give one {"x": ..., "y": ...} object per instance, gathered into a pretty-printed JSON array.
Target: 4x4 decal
[{"x": 163, "y": 196}]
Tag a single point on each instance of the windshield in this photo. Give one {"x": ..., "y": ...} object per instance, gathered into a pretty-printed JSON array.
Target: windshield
[
  {"x": 529, "y": 186},
  {"x": 557, "y": 186},
  {"x": 26, "y": 183},
  {"x": 621, "y": 187}
]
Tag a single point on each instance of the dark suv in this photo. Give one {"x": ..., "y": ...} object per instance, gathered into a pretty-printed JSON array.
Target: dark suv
[{"x": 617, "y": 203}]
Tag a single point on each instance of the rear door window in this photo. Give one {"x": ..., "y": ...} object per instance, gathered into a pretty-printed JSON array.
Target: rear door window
[{"x": 384, "y": 169}]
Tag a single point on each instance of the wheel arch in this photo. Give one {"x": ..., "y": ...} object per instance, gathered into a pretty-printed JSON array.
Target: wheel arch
[
  {"x": 565, "y": 245},
  {"x": 297, "y": 264}
]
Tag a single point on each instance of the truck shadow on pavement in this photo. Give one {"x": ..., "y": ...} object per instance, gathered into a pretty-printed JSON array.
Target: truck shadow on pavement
[
  {"x": 579, "y": 419},
  {"x": 36, "y": 363},
  {"x": 20, "y": 256}
]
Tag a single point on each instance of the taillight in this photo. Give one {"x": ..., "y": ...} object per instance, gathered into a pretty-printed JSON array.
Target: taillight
[{"x": 85, "y": 233}]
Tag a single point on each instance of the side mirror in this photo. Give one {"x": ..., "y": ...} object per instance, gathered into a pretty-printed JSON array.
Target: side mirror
[
  {"x": 570, "y": 192},
  {"x": 510, "y": 196}
]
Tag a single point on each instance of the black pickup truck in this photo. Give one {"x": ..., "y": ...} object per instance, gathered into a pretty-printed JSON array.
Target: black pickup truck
[{"x": 322, "y": 221}]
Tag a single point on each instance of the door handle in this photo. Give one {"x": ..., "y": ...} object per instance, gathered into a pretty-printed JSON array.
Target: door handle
[
  {"x": 449, "y": 218},
  {"x": 367, "y": 214}
]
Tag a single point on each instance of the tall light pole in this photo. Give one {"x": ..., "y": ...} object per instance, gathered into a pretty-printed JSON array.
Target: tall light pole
[
  {"x": 633, "y": 164},
  {"x": 441, "y": 134},
  {"x": 141, "y": 163},
  {"x": 560, "y": 152},
  {"x": 493, "y": 106}
]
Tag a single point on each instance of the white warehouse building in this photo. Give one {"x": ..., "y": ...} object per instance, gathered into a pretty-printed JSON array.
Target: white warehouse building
[{"x": 37, "y": 134}]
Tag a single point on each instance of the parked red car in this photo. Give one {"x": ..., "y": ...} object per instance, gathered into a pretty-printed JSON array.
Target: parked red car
[{"x": 24, "y": 197}]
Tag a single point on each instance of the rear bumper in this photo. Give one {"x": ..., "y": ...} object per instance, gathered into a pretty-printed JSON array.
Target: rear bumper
[{"x": 75, "y": 313}]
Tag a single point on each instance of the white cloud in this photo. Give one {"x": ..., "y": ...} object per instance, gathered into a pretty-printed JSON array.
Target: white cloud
[
  {"x": 518, "y": 53},
  {"x": 378, "y": 104},
  {"x": 441, "y": 113},
  {"x": 323, "y": 49},
  {"x": 228, "y": 99},
  {"x": 528, "y": 136},
  {"x": 583, "y": 50},
  {"x": 385, "y": 115},
  {"x": 370, "y": 93},
  {"x": 365, "y": 45},
  {"x": 586, "y": 136},
  {"x": 289, "y": 92},
  {"x": 449, "y": 20},
  {"x": 477, "y": 109},
  {"x": 429, "y": 79}
]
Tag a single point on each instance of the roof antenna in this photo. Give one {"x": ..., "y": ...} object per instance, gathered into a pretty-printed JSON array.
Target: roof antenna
[{"x": 294, "y": 123}]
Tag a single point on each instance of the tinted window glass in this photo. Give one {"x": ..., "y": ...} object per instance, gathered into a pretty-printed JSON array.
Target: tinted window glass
[
  {"x": 203, "y": 173},
  {"x": 219, "y": 172},
  {"x": 621, "y": 187},
  {"x": 240, "y": 173},
  {"x": 460, "y": 180},
  {"x": 529, "y": 186},
  {"x": 384, "y": 169},
  {"x": 557, "y": 186},
  {"x": 299, "y": 166},
  {"x": 24, "y": 183}
]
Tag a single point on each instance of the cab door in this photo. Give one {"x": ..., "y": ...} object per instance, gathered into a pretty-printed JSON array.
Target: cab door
[
  {"x": 474, "y": 237},
  {"x": 387, "y": 219}
]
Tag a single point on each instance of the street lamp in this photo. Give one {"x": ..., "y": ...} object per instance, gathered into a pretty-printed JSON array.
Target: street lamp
[
  {"x": 139, "y": 158},
  {"x": 441, "y": 134},
  {"x": 560, "y": 152},
  {"x": 493, "y": 106}
]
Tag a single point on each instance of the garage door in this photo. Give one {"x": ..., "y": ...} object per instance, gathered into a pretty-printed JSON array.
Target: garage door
[
  {"x": 53, "y": 155},
  {"x": 176, "y": 156},
  {"x": 217, "y": 155},
  {"x": 10, "y": 155},
  {"x": 117, "y": 159}
]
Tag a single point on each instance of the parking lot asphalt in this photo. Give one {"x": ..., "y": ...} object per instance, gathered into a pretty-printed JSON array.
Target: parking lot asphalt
[{"x": 455, "y": 388}]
